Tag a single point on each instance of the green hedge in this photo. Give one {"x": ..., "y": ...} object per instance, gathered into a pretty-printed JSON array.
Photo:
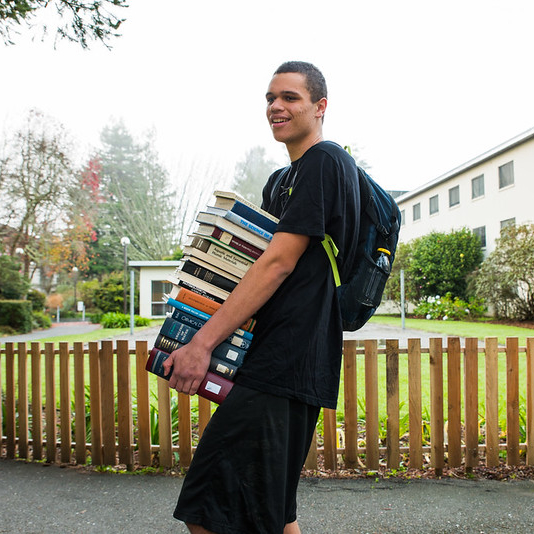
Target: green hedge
[{"x": 17, "y": 314}]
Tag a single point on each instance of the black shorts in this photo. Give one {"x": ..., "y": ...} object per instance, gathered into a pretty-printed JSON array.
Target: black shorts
[{"x": 244, "y": 475}]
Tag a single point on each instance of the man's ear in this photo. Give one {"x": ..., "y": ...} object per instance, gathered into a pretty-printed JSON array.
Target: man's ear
[{"x": 321, "y": 108}]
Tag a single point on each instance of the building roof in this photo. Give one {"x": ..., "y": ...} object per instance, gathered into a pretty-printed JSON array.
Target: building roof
[
  {"x": 507, "y": 145},
  {"x": 158, "y": 263}
]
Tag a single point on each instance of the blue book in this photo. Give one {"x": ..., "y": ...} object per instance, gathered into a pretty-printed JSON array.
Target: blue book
[
  {"x": 201, "y": 316},
  {"x": 217, "y": 216}
]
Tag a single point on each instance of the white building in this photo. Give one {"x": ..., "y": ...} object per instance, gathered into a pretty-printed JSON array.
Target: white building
[
  {"x": 152, "y": 286},
  {"x": 485, "y": 194}
]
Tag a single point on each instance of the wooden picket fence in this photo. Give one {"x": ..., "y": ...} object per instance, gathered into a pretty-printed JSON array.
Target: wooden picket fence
[{"x": 90, "y": 388}]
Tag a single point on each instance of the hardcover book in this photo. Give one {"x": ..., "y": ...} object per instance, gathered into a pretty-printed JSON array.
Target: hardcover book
[
  {"x": 208, "y": 273},
  {"x": 240, "y": 221},
  {"x": 219, "y": 255},
  {"x": 239, "y": 231},
  {"x": 213, "y": 387},
  {"x": 198, "y": 283},
  {"x": 236, "y": 203},
  {"x": 196, "y": 316},
  {"x": 219, "y": 236},
  {"x": 196, "y": 291}
]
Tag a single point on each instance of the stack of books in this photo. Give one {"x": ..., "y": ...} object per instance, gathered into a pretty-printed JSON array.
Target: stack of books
[{"x": 229, "y": 237}]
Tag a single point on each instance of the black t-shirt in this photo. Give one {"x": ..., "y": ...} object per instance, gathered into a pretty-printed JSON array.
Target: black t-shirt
[{"x": 297, "y": 344}]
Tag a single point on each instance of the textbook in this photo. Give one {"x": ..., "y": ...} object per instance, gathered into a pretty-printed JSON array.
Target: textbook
[
  {"x": 219, "y": 236},
  {"x": 241, "y": 221},
  {"x": 236, "y": 203},
  {"x": 198, "y": 317},
  {"x": 224, "y": 351},
  {"x": 195, "y": 282},
  {"x": 219, "y": 255},
  {"x": 208, "y": 273},
  {"x": 213, "y": 387},
  {"x": 201, "y": 303},
  {"x": 244, "y": 233}
]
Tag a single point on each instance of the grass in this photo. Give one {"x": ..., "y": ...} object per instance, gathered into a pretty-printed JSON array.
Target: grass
[{"x": 479, "y": 329}]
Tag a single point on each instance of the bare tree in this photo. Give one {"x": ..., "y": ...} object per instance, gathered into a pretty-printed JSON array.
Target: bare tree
[
  {"x": 36, "y": 173},
  {"x": 75, "y": 20}
]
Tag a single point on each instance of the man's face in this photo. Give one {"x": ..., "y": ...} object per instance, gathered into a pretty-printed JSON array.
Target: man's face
[{"x": 292, "y": 116}]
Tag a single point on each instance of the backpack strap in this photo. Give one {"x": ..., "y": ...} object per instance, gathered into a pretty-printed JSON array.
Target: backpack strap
[{"x": 332, "y": 251}]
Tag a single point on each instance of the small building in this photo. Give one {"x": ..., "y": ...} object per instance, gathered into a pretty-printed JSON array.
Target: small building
[
  {"x": 484, "y": 194},
  {"x": 153, "y": 285}
]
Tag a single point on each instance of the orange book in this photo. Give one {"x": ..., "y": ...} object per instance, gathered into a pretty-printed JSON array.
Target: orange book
[{"x": 204, "y": 304}]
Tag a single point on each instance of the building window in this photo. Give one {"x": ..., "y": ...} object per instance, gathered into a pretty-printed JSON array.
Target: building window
[
  {"x": 477, "y": 186},
  {"x": 454, "y": 196},
  {"x": 481, "y": 233},
  {"x": 507, "y": 222},
  {"x": 417, "y": 211},
  {"x": 433, "y": 204},
  {"x": 506, "y": 174},
  {"x": 158, "y": 289},
  {"x": 403, "y": 217}
]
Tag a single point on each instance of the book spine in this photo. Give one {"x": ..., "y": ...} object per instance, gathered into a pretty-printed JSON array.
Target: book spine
[
  {"x": 201, "y": 292},
  {"x": 229, "y": 353},
  {"x": 166, "y": 344},
  {"x": 221, "y": 368},
  {"x": 196, "y": 315},
  {"x": 238, "y": 244},
  {"x": 213, "y": 387},
  {"x": 206, "y": 305},
  {"x": 244, "y": 223},
  {"x": 208, "y": 276},
  {"x": 225, "y": 255},
  {"x": 177, "y": 331},
  {"x": 254, "y": 216}
]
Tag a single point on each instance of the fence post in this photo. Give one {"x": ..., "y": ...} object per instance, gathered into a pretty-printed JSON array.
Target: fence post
[
  {"x": 108, "y": 403},
  {"x": 372, "y": 450},
  {"x": 37, "y": 403},
  {"x": 330, "y": 447},
  {"x": 204, "y": 414},
  {"x": 50, "y": 404},
  {"x": 64, "y": 401},
  {"x": 414, "y": 394},
  {"x": 436, "y": 404},
  {"x": 143, "y": 404},
  {"x": 124, "y": 404},
  {"x": 164, "y": 423},
  {"x": 11, "y": 428},
  {"x": 351, "y": 403},
  {"x": 454, "y": 404},
  {"x": 492, "y": 402},
  {"x": 392, "y": 389},
  {"x": 96, "y": 403},
  {"x": 530, "y": 401},
  {"x": 512, "y": 401},
  {"x": 184, "y": 429},
  {"x": 80, "y": 433},
  {"x": 471, "y": 403},
  {"x": 23, "y": 401}
]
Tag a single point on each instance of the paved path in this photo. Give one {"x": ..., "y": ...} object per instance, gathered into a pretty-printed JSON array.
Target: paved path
[
  {"x": 369, "y": 331},
  {"x": 35, "y": 498}
]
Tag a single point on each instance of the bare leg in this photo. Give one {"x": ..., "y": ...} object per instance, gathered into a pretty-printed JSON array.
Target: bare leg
[
  {"x": 292, "y": 528},
  {"x": 197, "y": 529}
]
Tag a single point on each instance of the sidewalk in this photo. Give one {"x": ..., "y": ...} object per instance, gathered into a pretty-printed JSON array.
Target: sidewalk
[{"x": 35, "y": 498}]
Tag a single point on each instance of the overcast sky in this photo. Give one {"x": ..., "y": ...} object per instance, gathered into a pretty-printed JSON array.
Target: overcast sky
[{"x": 420, "y": 87}]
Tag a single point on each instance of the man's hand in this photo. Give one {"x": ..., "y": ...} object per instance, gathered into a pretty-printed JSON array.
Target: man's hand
[{"x": 190, "y": 364}]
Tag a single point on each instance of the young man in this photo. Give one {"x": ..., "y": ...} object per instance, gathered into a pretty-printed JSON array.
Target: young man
[{"x": 245, "y": 472}]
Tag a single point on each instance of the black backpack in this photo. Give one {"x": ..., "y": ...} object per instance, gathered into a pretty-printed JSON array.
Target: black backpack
[{"x": 380, "y": 222}]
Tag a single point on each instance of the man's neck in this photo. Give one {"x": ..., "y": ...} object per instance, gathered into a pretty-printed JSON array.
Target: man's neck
[{"x": 297, "y": 151}]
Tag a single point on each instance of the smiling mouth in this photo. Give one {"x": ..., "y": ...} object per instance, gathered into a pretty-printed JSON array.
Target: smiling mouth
[{"x": 279, "y": 121}]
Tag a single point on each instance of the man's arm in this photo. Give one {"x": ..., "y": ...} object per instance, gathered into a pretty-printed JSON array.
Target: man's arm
[{"x": 257, "y": 286}]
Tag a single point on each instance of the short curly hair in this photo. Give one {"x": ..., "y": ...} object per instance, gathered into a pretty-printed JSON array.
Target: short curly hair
[{"x": 315, "y": 82}]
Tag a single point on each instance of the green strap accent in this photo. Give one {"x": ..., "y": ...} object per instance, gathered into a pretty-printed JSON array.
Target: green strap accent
[{"x": 332, "y": 251}]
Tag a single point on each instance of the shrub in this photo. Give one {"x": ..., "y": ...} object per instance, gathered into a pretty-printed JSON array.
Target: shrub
[
  {"x": 37, "y": 298},
  {"x": 450, "y": 308},
  {"x": 16, "y": 314},
  {"x": 121, "y": 320},
  {"x": 41, "y": 320},
  {"x": 14, "y": 286}
]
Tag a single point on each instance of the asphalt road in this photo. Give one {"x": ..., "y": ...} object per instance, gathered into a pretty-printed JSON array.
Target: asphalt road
[{"x": 35, "y": 498}]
